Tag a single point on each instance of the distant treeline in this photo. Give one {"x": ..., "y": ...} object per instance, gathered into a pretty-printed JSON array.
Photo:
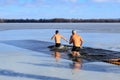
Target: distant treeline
[{"x": 57, "y": 20}]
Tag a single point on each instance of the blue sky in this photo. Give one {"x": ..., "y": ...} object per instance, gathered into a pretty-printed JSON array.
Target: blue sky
[{"x": 36, "y": 9}]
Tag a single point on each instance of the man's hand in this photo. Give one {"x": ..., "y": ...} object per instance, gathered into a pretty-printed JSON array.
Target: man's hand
[
  {"x": 81, "y": 47},
  {"x": 66, "y": 40}
]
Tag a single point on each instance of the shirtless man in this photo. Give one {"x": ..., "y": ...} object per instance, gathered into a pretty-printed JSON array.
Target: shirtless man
[
  {"x": 57, "y": 38},
  {"x": 77, "y": 43}
]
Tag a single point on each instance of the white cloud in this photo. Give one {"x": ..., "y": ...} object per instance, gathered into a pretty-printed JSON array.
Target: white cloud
[
  {"x": 20, "y": 2},
  {"x": 101, "y": 0},
  {"x": 106, "y": 0},
  {"x": 71, "y": 0}
]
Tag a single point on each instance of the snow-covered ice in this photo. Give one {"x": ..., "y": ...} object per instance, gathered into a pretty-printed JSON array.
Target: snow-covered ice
[{"x": 22, "y": 59}]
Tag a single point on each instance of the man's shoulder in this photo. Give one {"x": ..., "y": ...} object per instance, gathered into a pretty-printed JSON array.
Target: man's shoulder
[
  {"x": 78, "y": 35},
  {"x": 71, "y": 35},
  {"x": 58, "y": 35}
]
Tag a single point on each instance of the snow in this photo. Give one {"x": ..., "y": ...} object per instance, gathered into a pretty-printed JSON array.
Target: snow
[{"x": 18, "y": 61}]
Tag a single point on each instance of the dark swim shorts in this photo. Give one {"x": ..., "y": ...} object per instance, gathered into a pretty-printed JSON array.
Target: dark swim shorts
[
  {"x": 76, "y": 48},
  {"x": 57, "y": 45}
]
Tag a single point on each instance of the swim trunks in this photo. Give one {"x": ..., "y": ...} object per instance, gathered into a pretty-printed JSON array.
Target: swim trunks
[
  {"x": 76, "y": 48},
  {"x": 57, "y": 45}
]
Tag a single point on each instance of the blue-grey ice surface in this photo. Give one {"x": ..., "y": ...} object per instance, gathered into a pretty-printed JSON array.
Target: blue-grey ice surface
[{"x": 24, "y": 56}]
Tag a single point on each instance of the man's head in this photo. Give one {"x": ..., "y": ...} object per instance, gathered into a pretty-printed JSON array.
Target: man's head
[
  {"x": 56, "y": 32},
  {"x": 73, "y": 32}
]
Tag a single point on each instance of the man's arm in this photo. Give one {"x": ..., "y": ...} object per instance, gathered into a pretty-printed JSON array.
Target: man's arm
[
  {"x": 81, "y": 41},
  {"x": 64, "y": 38},
  {"x": 70, "y": 41},
  {"x": 52, "y": 37}
]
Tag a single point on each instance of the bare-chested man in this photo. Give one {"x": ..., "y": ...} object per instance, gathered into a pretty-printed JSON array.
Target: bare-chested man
[
  {"x": 77, "y": 43},
  {"x": 57, "y": 38}
]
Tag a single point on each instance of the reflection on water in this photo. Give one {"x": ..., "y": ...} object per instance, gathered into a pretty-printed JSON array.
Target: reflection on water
[
  {"x": 57, "y": 55},
  {"x": 76, "y": 61},
  {"x": 77, "y": 65}
]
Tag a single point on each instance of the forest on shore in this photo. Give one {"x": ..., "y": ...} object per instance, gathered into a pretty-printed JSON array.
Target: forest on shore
[{"x": 58, "y": 20}]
